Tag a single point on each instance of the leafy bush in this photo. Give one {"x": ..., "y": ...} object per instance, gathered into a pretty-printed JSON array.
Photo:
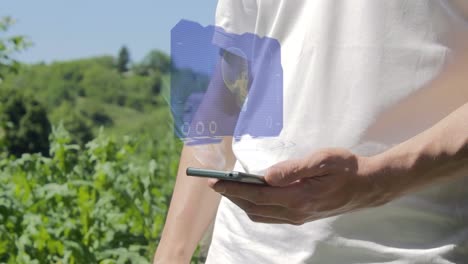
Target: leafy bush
[
  {"x": 24, "y": 124},
  {"x": 75, "y": 122},
  {"x": 84, "y": 205},
  {"x": 9, "y": 46}
]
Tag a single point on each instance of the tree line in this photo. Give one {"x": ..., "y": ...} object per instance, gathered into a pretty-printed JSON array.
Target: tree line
[{"x": 76, "y": 93}]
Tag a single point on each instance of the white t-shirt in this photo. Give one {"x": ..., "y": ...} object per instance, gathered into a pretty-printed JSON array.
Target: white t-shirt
[{"x": 355, "y": 76}]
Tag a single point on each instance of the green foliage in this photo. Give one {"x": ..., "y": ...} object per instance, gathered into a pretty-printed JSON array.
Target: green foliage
[
  {"x": 155, "y": 60},
  {"x": 24, "y": 124},
  {"x": 9, "y": 45},
  {"x": 84, "y": 205},
  {"x": 74, "y": 121},
  {"x": 85, "y": 200},
  {"x": 156, "y": 82},
  {"x": 187, "y": 78},
  {"x": 123, "y": 59},
  {"x": 104, "y": 85},
  {"x": 88, "y": 93}
]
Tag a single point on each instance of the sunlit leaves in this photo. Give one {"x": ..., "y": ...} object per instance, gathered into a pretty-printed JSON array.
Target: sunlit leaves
[
  {"x": 84, "y": 205},
  {"x": 9, "y": 45}
]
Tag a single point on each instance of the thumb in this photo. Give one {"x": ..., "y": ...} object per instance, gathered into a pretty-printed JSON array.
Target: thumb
[{"x": 286, "y": 172}]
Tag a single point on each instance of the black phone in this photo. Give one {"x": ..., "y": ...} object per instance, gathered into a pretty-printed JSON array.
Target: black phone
[{"x": 226, "y": 175}]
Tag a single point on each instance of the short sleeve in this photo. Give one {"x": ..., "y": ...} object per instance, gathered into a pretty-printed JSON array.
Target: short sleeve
[{"x": 234, "y": 17}]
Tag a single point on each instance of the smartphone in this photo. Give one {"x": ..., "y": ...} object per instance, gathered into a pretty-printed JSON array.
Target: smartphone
[{"x": 226, "y": 175}]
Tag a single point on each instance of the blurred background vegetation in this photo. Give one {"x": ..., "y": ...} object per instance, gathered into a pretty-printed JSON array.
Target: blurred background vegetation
[{"x": 87, "y": 156}]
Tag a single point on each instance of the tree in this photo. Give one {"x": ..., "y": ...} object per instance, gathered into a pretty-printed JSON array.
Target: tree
[
  {"x": 24, "y": 123},
  {"x": 154, "y": 61},
  {"x": 123, "y": 59},
  {"x": 8, "y": 47}
]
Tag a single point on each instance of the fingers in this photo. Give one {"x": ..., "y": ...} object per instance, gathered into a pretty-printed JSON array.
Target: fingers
[
  {"x": 259, "y": 195},
  {"x": 286, "y": 172},
  {"x": 321, "y": 185},
  {"x": 318, "y": 164},
  {"x": 269, "y": 213}
]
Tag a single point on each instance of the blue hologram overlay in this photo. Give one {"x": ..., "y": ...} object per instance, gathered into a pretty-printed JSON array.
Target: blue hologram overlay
[{"x": 224, "y": 84}]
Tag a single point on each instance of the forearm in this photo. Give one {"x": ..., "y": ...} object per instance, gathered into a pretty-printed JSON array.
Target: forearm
[
  {"x": 193, "y": 207},
  {"x": 438, "y": 153}
]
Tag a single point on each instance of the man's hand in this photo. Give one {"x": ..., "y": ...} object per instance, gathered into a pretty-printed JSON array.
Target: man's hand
[
  {"x": 326, "y": 183},
  {"x": 335, "y": 181}
]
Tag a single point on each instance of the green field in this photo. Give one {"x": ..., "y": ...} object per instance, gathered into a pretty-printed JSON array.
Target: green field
[{"x": 96, "y": 188}]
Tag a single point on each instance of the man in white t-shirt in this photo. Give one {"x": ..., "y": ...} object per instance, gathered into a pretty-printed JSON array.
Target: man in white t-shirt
[{"x": 373, "y": 166}]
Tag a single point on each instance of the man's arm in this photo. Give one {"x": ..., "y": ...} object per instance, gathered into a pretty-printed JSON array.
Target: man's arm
[
  {"x": 193, "y": 205},
  {"x": 336, "y": 181},
  {"x": 437, "y": 154},
  {"x": 440, "y": 152}
]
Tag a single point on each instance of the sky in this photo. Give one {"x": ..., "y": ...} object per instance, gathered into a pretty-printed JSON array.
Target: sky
[{"x": 63, "y": 30}]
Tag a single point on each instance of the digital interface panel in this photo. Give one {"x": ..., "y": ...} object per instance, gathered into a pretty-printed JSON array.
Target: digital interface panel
[{"x": 224, "y": 84}]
